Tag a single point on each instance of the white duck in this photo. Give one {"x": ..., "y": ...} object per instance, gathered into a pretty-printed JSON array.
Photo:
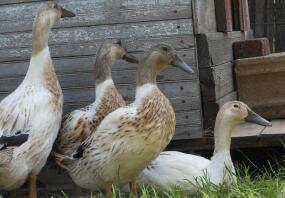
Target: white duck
[
  {"x": 79, "y": 124},
  {"x": 173, "y": 169},
  {"x": 130, "y": 137},
  {"x": 30, "y": 116}
]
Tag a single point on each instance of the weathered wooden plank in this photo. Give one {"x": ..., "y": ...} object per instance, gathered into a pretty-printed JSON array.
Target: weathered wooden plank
[
  {"x": 244, "y": 15},
  {"x": 184, "y": 114},
  {"x": 95, "y": 33},
  {"x": 216, "y": 48},
  {"x": 84, "y": 41},
  {"x": 85, "y": 79},
  {"x": 270, "y": 26},
  {"x": 187, "y": 132},
  {"x": 96, "y": 12},
  {"x": 278, "y": 127},
  {"x": 204, "y": 16},
  {"x": 221, "y": 50},
  {"x": 216, "y": 82},
  {"x": 181, "y": 103},
  {"x": 187, "y": 114},
  {"x": 172, "y": 90},
  {"x": 83, "y": 64},
  {"x": 221, "y": 36},
  {"x": 90, "y": 48},
  {"x": 7, "y": 2},
  {"x": 236, "y": 17},
  {"x": 223, "y": 10}
]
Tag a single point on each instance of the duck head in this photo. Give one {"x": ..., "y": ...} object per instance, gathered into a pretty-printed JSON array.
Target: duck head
[
  {"x": 108, "y": 54},
  {"x": 238, "y": 112},
  {"x": 48, "y": 15},
  {"x": 230, "y": 115},
  {"x": 156, "y": 59}
]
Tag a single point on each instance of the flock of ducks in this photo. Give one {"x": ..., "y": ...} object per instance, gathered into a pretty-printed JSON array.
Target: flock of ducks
[{"x": 108, "y": 142}]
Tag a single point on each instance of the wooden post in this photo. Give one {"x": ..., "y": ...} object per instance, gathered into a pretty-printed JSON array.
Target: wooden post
[
  {"x": 244, "y": 15},
  {"x": 236, "y": 18},
  {"x": 223, "y": 10}
]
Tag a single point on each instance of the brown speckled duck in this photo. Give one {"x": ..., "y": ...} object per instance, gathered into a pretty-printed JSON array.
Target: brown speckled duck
[
  {"x": 30, "y": 117},
  {"x": 79, "y": 124},
  {"x": 129, "y": 138}
]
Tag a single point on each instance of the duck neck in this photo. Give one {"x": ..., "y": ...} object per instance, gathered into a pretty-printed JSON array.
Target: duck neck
[
  {"x": 146, "y": 74},
  {"x": 103, "y": 69},
  {"x": 40, "y": 36},
  {"x": 40, "y": 59},
  {"x": 222, "y": 132},
  {"x": 102, "y": 87}
]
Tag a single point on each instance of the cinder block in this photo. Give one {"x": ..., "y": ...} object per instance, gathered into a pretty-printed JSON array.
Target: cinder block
[
  {"x": 251, "y": 48},
  {"x": 261, "y": 84}
]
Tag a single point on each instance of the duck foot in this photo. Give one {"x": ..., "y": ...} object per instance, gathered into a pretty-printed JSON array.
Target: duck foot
[
  {"x": 108, "y": 189},
  {"x": 133, "y": 187}
]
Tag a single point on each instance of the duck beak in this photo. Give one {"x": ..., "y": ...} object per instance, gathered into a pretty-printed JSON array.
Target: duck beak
[
  {"x": 130, "y": 58},
  {"x": 257, "y": 119},
  {"x": 179, "y": 63},
  {"x": 66, "y": 13}
]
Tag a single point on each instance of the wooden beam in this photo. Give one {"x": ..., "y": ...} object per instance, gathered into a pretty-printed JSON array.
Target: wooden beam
[
  {"x": 244, "y": 136},
  {"x": 244, "y": 15},
  {"x": 224, "y": 15}
]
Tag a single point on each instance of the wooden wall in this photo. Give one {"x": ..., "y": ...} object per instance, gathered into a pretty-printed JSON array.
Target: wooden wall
[
  {"x": 74, "y": 42},
  {"x": 267, "y": 19},
  {"x": 217, "y": 81}
]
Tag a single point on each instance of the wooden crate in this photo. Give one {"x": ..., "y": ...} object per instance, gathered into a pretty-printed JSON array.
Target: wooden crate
[
  {"x": 261, "y": 84},
  {"x": 215, "y": 58}
]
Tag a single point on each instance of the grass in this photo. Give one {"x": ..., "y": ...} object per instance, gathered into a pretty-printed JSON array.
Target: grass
[
  {"x": 268, "y": 184},
  {"x": 251, "y": 183}
]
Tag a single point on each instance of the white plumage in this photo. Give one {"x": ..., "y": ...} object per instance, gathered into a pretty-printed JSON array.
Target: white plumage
[
  {"x": 29, "y": 109},
  {"x": 172, "y": 169}
]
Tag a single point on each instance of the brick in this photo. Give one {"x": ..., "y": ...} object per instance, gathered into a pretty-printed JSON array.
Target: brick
[{"x": 251, "y": 48}]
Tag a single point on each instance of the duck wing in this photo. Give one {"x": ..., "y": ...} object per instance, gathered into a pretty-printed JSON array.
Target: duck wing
[
  {"x": 76, "y": 126},
  {"x": 18, "y": 113},
  {"x": 172, "y": 169}
]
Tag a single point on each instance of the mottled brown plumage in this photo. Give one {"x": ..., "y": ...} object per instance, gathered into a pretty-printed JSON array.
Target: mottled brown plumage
[
  {"x": 33, "y": 110},
  {"x": 130, "y": 137},
  {"x": 80, "y": 124},
  {"x": 71, "y": 137}
]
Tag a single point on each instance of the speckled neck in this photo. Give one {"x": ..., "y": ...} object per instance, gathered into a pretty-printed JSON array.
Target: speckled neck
[{"x": 103, "y": 68}]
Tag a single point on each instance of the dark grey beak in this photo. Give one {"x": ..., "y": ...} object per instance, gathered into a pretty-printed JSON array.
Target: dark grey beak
[
  {"x": 130, "y": 58},
  {"x": 257, "y": 119},
  {"x": 179, "y": 63},
  {"x": 66, "y": 13}
]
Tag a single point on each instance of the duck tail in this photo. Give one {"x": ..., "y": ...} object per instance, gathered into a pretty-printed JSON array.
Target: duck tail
[{"x": 63, "y": 160}]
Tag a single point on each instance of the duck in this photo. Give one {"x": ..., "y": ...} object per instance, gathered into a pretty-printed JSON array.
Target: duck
[
  {"x": 176, "y": 170},
  {"x": 79, "y": 124},
  {"x": 129, "y": 138},
  {"x": 30, "y": 116}
]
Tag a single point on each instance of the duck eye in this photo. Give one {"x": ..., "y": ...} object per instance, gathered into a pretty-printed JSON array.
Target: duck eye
[
  {"x": 236, "y": 106},
  {"x": 119, "y": 42},
  {"x": 164, "y": 49}
]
